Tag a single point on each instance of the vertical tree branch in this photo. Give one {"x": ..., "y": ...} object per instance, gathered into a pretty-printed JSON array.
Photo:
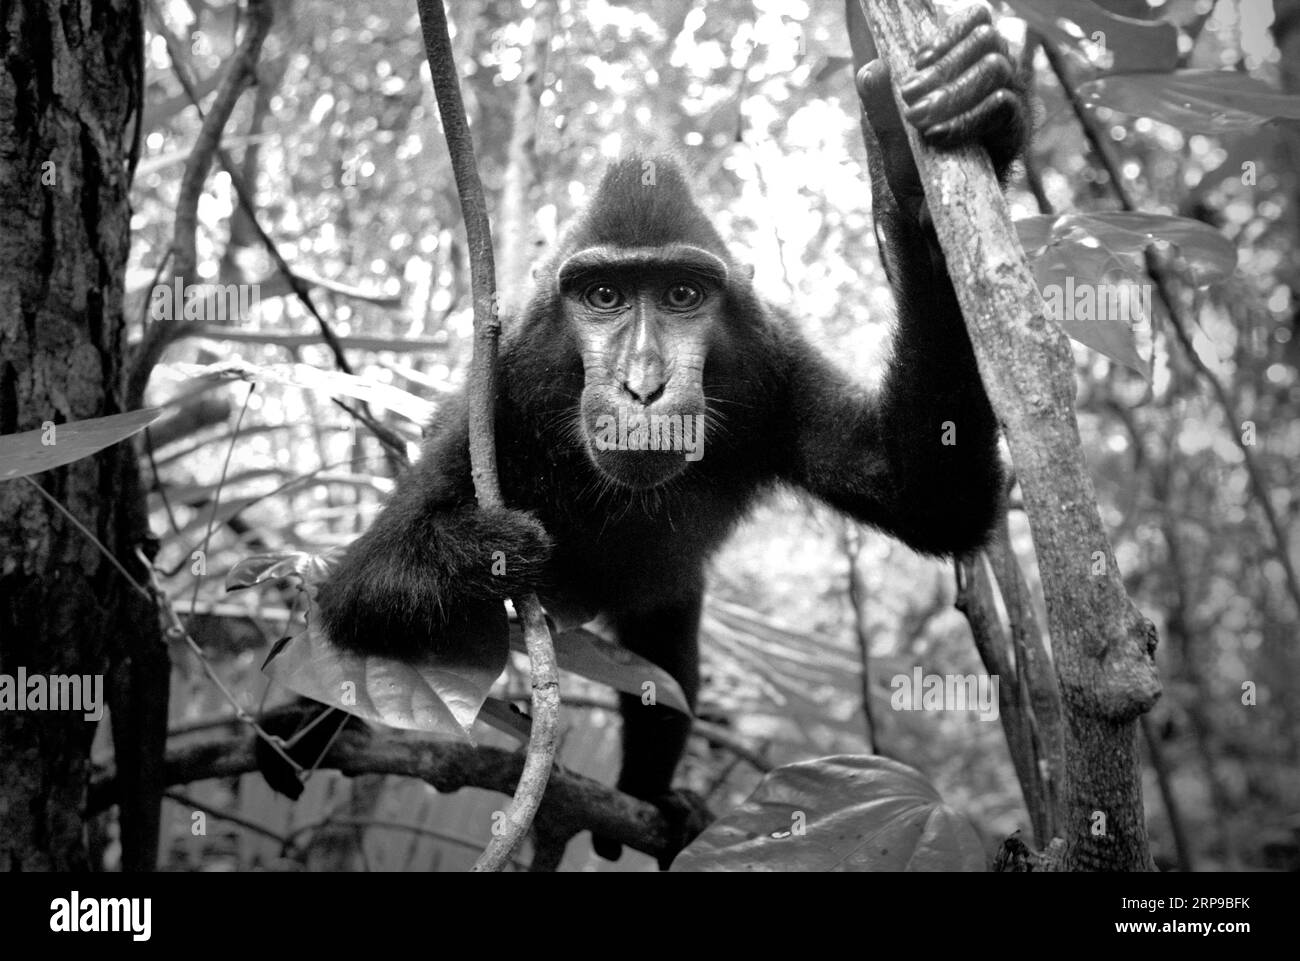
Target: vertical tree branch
[
  {"x": 516, "y": 220},
  {"x": 1103, "y": 644},
  {"x": 482, "y": 444},
  {"x": 1164, "y": 777},
  {"x": 852, "y": 543},
  {"x": 975, "y": 601},
  {"x": 1039, "y": 697}
]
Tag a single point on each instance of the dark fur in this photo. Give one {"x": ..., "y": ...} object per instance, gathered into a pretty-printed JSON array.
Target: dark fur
[
  {"x": 780, "y": 413},
  {"x": 777, "y": 412}
]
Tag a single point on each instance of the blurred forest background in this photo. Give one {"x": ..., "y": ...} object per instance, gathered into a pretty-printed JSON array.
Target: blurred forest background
[{"x": 340, "y": 143}]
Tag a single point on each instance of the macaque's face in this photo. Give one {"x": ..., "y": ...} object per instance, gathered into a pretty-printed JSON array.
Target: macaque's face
[{"x": 643, "y": 324}]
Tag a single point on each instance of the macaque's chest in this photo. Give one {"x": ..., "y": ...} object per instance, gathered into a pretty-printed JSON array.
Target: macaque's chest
[{"x": 640, "y": 549}]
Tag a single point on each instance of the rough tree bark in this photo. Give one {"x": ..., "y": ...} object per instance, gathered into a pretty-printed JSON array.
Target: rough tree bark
[
  {"x": 1103, "y": 646},
  {"x": 68, "y": 99}
]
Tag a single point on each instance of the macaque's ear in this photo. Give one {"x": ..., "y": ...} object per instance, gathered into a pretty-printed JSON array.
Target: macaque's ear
[{"x": 747, "y": 271}]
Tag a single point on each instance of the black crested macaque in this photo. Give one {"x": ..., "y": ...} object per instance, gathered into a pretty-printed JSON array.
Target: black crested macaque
[{"x": 644, "y": 333}]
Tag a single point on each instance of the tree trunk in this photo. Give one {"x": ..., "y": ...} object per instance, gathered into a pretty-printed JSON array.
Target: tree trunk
[
  {"x": 69, "y": 95},
  {"x": 1102, "y": 645}
]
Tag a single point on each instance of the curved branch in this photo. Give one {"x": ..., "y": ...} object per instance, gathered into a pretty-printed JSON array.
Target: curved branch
[{"x": 482, "y": 444}]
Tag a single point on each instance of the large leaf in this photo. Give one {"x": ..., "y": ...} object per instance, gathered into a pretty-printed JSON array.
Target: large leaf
[
  {"x": 845, "y": 813},
  {"x": 1078, "y": 285},
  {"x": 1079, "y": 256},
  {"x": 459, "y": 677},
  {"x": 331, "y": 382},
  {"x": 27, "y": 453},
  {"x": 1207, "y": 256},
  {"x": 591, "y": 656},
  {"x": 440, "y": 696},
  {"x": 1197, "y": 101},
  {"x": 1125, "y": 43}
]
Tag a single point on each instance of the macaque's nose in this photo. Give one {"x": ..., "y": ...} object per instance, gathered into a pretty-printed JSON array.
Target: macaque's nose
[
  {"x": 645, "y": 380},
  {"x": 645, "y": 377}
]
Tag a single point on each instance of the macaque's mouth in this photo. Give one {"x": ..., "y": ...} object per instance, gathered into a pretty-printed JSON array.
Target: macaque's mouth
[{"x": 642, "y": 449}]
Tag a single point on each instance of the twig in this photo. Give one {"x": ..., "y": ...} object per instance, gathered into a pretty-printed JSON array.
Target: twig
[
  {"x": 158, "y": 337},
  {"x": 852, "y": 546},
  {"x": 175, "y": 631},
  {"x": 158, "y": 484},
  {"x": 482, "y": 406},
  {"x": 517, "y": 225},
  {"x": 285, "y": 338},
  {"x": 365, "y": 823},
  {"x": 180, "y": 797},
  {"x": 242, "y": 73},
  {"x": 1039, "y": 697},
  {"x": 976, "y": 602},
  {"x": 1164, "y": 778},
  {"x": 1193, "y": 29},
  {"x": 202, "y": 549},
  {"x": 99, "y": 545}
]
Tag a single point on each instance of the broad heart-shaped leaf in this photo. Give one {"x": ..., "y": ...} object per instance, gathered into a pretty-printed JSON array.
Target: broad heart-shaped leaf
[
  {"x": 1206, "y": 255},
  {"x": 1126, "y": 43},
  {"x": 1068, "y": 276},
  {"x": 325, "y": 381},
  {"x": 1196, "y": 101},
  {"x": 25, "y": 453},
  {"x": 591, "y": 656},
  {"x": 440, "y": 696},
  {"x": 1094, "y": 256},
  {"x": 843, "y": 813}
]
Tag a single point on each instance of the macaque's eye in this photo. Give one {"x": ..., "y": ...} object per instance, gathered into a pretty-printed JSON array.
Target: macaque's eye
[
  {"x": 683, "y": 296},
  {"x": 603, "y": 297}
]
